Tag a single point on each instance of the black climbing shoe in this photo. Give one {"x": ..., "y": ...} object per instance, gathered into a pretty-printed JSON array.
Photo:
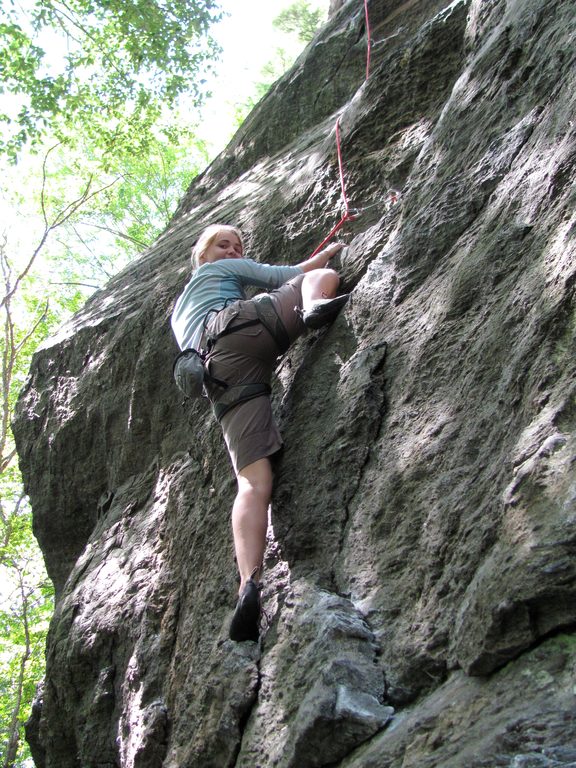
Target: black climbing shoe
[
  {"x": 244, "y": 624},
  {"x": 324, "y": 311}
]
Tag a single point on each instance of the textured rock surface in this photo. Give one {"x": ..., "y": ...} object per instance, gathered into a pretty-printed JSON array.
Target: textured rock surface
[{"x": 420, "y": 575}]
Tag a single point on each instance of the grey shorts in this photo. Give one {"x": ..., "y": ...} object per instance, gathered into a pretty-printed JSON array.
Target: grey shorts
[{"x": 249, "y": 356}]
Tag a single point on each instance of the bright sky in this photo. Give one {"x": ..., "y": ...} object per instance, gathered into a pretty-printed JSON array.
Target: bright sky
[{"x": 249, "y": 42}]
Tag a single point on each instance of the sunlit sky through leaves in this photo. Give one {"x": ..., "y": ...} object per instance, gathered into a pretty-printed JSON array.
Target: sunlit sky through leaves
[{"x": 249, "y": 41}]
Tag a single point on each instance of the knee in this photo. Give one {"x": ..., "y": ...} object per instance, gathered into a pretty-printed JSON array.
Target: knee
[
  {"x": 331, "y": 276},
  {"x": 327, "y": 273},
  {"x": 255, "y": 480},
  {"x": 323, "y": 280},
  {"x": 253, "y": 488}
]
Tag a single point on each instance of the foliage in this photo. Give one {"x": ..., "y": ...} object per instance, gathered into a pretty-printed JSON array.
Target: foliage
[
  {"x": 26, "y": 594},
  {"x": 136, "y": 198},
  {"x": 147, "y": 193},
  {"x": 301, "y": 19},
  {"x": 120, "y": 64},
  {"x": 25, "y": 610}
]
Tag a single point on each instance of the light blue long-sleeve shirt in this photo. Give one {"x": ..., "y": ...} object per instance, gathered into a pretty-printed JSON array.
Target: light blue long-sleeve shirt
[{"x": 213, "y": 285}]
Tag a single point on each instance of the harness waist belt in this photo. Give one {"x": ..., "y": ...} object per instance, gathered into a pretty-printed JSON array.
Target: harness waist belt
[{"x": 234, "y": 394}]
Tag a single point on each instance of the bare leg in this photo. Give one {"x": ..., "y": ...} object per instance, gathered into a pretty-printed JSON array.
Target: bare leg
[
  {"x": 319, "y": 284},
  {"x": 250, "y": 516},
  {"x": 250, "y": 509}
]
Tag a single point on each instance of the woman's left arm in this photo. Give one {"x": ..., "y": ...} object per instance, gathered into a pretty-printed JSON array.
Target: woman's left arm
[{"x": 322, "y": 258}]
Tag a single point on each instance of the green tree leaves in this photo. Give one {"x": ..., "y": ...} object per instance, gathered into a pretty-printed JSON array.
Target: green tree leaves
[
  {"x": 25, "y": 592},
  {"x": 104, "y": 68},
  {"x": 301, "y": 19},
  {"x": 25, "y": 610}
]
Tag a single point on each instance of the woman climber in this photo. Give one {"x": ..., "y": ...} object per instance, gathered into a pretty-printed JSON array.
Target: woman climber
[{"x": 242, "y": 340}]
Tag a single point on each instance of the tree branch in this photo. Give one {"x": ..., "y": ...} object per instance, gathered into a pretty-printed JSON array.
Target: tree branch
[
  {"x": 28, "y": 335},
  {"x": 72, "y": 282},
  {"x": 116, "y": 233},
  {"x": 60, "y": 218}
]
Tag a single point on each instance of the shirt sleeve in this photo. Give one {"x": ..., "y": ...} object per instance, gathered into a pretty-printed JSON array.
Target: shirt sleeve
[{"x": 266, "y": 276}]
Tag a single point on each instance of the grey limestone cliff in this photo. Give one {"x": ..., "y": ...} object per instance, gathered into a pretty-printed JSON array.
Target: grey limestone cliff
[{"x": 420, "y": 577}]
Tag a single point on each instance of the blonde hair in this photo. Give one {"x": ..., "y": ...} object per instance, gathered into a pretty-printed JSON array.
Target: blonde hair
[{"x": 207, "y": 237}]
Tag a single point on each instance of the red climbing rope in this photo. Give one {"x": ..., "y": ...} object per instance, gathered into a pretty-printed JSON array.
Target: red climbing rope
[
  {"x": 341, "y": 167},
  {"x": 329, "y": 237},
  {"x": 347, "y": 216},
  {"x": 368, "y": 38}
]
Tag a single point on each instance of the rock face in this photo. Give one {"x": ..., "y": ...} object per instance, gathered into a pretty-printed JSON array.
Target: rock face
[{"x": 420, "y": 578}]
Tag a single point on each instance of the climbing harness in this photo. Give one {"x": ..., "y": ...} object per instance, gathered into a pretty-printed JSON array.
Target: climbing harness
[
  {"x": 234, "y": 394},
  {"x": 266, "y": 315},
  {"x": 191, "y": 367}
]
